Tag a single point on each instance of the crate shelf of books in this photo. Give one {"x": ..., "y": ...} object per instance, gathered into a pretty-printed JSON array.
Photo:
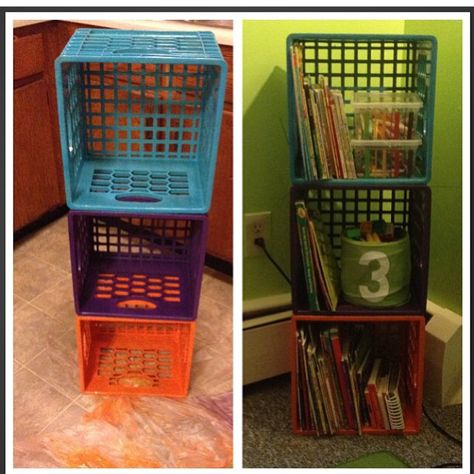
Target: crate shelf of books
[
  {"x": 359, "y": 261},
  {"x": 360, "y": 138},
  {"x": 338, "y": 267},
  {"x": 353, "y": 375},
  {"x": 360, "y": 108}
]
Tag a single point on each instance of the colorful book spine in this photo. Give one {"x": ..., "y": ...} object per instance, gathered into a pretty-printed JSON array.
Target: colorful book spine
[
  {"x": 316, "y": 162},
  {"x": 344, "y": 382},
  {"x": 300, "y": 118},
  {"x": 371, "y": 395},
  {"x": 382, "y": 387},
  {"x": 303, "y": 233}
]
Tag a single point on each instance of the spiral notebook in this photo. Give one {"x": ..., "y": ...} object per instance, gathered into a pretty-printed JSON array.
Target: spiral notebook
[{"x": 392, "y": 399}]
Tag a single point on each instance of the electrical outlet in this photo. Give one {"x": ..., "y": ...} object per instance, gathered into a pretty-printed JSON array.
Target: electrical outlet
[{"x": 257, "y": 224}]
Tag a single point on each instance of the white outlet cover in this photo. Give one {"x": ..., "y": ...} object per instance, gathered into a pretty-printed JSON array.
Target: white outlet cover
[{"x": 250, "y": 249}]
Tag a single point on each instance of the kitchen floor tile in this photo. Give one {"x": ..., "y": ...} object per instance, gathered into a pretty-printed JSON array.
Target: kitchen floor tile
[
  {"x": 57, "y": 364},
  {"x": 211, "y": 372},
  {"x": 89, "y": 401},
  {"x": 18, "y": 302},
  {"x": 36, "y": 404},
  {"x": 32, "y": 455},
  {"x": 59, "y": 227},
  {"x": 55, "y": 251},
  {"x": 217, "y": 286},
  {"x": 32, "y": 331},
  {"x": 68, "y": 418},
  {"x": 214, "y": 322},
  {"x": 58, "y": 301},
  {"x": 33, "y": 276},
  {"x": 50, "y": 244}
]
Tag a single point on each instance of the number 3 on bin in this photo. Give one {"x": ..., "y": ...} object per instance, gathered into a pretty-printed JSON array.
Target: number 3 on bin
[{"x": 377, "y": 276}]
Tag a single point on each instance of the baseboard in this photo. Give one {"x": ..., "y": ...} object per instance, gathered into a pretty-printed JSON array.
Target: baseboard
[
  {"x": 256, "y": 308},
  {"x": 443, "y": 357},
  {"x": 218, "y": 264},
  {"x": 45, "y": 219},
  {"x": 266, "y": 347}
]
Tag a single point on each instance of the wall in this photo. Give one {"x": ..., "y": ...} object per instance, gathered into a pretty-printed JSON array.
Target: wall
[
  {"x": 445, "y": 276},
  {"x": 265, "y": 147}
]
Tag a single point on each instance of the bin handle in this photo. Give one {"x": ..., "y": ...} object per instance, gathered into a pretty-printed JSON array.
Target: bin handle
[
  {"x": 135, "y": 380},
  {"x": 147, "y": 51},
  {"x": 143, "y": 198}
]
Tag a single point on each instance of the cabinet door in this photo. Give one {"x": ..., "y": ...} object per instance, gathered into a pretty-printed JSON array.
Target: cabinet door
[
  {"x": 36, "y": 180},
  {"x": 220, "y": 215}
]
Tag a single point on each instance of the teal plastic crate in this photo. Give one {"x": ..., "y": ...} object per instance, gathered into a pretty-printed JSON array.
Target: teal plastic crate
[
  {"x": 351, "y": 63},
  {"x": 140, "y": 115}
]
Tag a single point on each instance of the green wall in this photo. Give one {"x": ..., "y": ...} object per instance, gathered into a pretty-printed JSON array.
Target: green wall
[
  {"x": 445, "y": 276},
  {"x": 265, "y": 148}
]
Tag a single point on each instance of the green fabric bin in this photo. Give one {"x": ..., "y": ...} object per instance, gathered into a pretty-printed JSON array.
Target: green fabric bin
[{"x": 376, "y": 274}]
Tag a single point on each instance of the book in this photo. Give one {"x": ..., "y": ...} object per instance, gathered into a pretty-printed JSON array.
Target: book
[
  {"x": 371, "y": 395},
  {"x": 312, "y": 418},
  {"x": 362, "y": 352},
  {"x": 382, "y": 388},
  {"x": 322, "y": 124},
  {"x": 317, "y": 266},
  {"x": 314, "y": 157},
  {"x": 327, "y": 397},
  {"x": 327, "y": 269},
  {"x": 334, "y": 113},
  {"x": 331, "y": 130},
  {"x": 306, "y": 255},
  {"x": 299, "y": 391},
  {"x": 345, "y": 135},
  {"x": 349, "y": 370},
  {"x": 332, "y": 377},
  {"x": 320, "y": 139},
  {"x": 319, "y": 410},
  {"x": 344, "y": 382},
  {"x": 392, "y": 399},
  {"x": 301, "y": 118},
  {"x": 303, "y": 402},
  {"x": 363, "y": 369}
]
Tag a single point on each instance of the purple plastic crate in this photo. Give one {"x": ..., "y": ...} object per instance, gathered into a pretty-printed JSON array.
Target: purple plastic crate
[
  {"x": 142, "y": 266},
  {"x": 341, "y": 206}
]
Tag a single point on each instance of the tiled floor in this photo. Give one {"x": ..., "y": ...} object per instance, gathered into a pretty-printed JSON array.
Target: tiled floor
[{"x": 46, "y": 381}]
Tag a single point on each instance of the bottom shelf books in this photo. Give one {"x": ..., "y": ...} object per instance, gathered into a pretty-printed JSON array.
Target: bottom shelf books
[{"x": 356, "y": 376}]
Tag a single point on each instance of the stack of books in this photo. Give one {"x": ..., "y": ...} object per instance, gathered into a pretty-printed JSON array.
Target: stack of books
[
  {"x": 341, "y": 384},
  {"x": 322, "y": 125},
  {"x": 322, "y": 274}
]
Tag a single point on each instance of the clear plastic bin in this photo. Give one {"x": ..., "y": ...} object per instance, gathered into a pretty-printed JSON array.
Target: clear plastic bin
[
  {"x": 386, "y": 158},
  {"x": 386, "y": 115}
]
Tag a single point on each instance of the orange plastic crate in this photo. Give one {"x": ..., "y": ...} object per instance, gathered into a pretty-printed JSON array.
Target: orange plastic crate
[
  {"x": 412, "y": 349},
  {"x": 133, "y": 356}
]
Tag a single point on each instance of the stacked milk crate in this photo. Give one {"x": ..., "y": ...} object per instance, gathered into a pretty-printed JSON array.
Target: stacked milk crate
[
  {"x": 140, "y": 115},
  {"x": 360, "y": 225}
]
